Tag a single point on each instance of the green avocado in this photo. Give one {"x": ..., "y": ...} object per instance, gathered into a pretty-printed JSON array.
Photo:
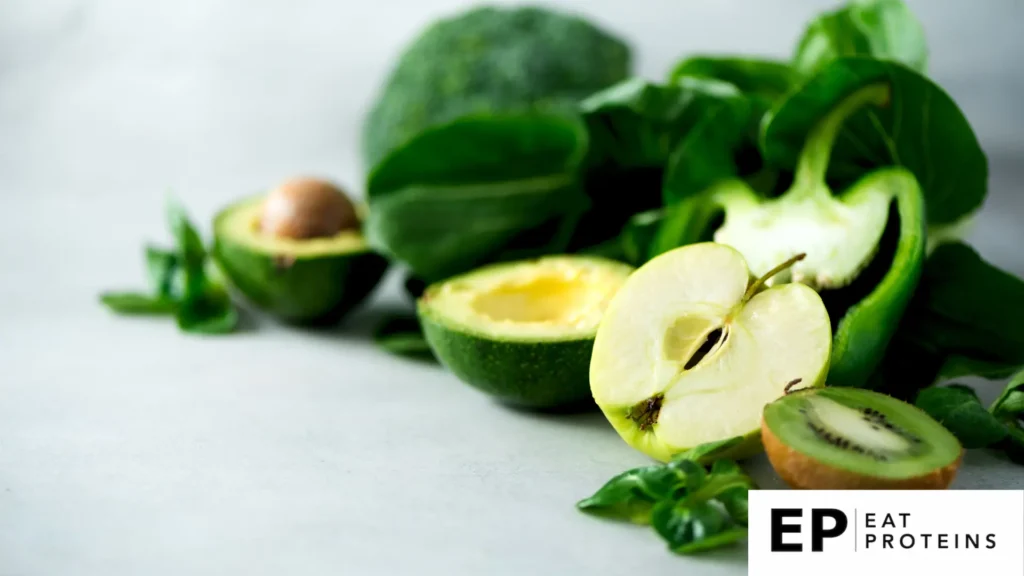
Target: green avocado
[
  {"x": 312, "y": 281},
  {"x": 522, "y": 331}
]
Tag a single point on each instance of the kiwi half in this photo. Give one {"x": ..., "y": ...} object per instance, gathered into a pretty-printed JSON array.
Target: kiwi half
[{"x": 851, "y": 439}]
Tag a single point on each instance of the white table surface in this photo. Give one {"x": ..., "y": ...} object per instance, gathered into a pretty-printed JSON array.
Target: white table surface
[{"x": 129, "y": 448}]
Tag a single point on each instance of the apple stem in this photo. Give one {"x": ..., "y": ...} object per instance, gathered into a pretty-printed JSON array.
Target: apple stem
[
  {"x": 760, "y": 281},
  {"x": 789, "y": 387}
]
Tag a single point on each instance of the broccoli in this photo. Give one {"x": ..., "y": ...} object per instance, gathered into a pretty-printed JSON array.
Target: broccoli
[{"x": 490, "y": 59}]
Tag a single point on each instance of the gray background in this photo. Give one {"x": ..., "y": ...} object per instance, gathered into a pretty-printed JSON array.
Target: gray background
[{"x": 128, "y": 448}]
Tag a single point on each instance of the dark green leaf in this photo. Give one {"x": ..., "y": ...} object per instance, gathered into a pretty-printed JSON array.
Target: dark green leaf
[
  {"x": 630, "y": 495},
  {"x": 134, "y": 303},
  {"x": 188, "y": 244},
  {"x": 767, "y": 79},
  {"x": 161, "y": 266},
  {"x": 695, "y": 527},
  {"x": 457, "y": 194},
  {"x": 210, "y": 312},
  {"x": 402, "y": 335},
  {"x": 882, "y": 29},
  {"x": 956, "y": 366},
  {"x": 1010, "y": 404},
  {"x": 958, "y": 409},
  {"x": 921, "y": 129}
]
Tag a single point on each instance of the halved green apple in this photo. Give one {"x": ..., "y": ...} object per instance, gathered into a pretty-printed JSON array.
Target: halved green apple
[{"x": 692, "y": 348}]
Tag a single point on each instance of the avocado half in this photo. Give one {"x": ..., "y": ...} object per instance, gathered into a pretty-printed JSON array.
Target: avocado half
[
  {"x": 303, "y": 281},
  {"x": 522, "y": 332}
]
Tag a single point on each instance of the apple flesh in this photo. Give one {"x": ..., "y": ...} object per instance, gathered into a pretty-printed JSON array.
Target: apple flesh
[{"x": 691, "y": 349}]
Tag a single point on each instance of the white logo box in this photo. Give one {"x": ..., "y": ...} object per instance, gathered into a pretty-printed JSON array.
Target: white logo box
[{"x": 899, "y": 532}]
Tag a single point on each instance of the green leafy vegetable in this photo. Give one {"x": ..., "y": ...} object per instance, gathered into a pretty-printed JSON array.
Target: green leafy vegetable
[
  {"x": 183, "y": 283},
  {"x": 882, "y": 29},
  {"x": 457, "y": 195},
  {"x": 1001, "y": 427},
  {"x": 490, "y": 60},
  {"x": 691, "y": 507},
  {"x": 920, "y": 128},
  {"x": 402, "y": 335},
  {"x": 765, "y": 79}
]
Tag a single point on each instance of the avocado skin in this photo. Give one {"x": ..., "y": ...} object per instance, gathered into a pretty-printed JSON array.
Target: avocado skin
[
  {"x": 318, "y": 290},
  {"x": 533, "y": 375}
]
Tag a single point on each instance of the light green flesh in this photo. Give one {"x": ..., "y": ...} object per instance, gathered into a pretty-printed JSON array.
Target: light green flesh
[
  {"x": 664, "y": 313},
  {"x": 839, "y": 235},
  {"x": 924, "y": 445},
  {"x": 241, "y": 226},
  {"x": 555, "y": 298}
]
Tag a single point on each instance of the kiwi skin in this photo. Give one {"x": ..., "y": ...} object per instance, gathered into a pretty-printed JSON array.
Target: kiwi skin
[{"x": 804, "y": 473}]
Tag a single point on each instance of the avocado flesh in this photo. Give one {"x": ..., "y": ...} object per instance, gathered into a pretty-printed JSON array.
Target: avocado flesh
[
  {"x": 304, "y": 281},
  {"x": 522, "y": 332}
]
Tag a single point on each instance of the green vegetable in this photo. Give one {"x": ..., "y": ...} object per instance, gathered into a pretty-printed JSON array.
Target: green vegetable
[
  {"x": 637, "y": 130},
  {"x": 768, "y": 80},
  {"x": 882, "y": 29},
  {"x": 402, "y": 335},
  {"x": 964, "y": 320},
  {"x": 691, "y": 507},
  {"x": 303, "y": 281},
  {"x": 458, "y": 195},
  {"x": 183, "y": 283},
  {"x": 490, "y": 60},
  {"x": 920, "y": 128},
  {"x": 522, "y": 332},
  {"x": 1001, "y": 427}
]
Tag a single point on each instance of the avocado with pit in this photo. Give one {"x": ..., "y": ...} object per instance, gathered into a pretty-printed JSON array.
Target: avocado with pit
[
  {"x": 523, "y": 332},
  {"x": 298, "y": 252}
]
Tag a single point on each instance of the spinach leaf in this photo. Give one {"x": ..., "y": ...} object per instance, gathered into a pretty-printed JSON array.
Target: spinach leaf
[
  {"x": 882, "y": 29},
  {"x": 457, "y": 194},
  {"x": 692, "y": 507},
  {"x": 958, "y": 408},
  {"x": 135, "y": 303},
  {"x": 402, "y": 335},
  {"x": 635, "y": 132},
  {"x": 921, "y": 129}
]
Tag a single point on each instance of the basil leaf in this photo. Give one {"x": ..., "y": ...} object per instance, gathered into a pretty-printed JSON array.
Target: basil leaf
[
  {"x": 882, "y": 29},
  {"x": 161, "y": 266},
  {"x": 631, "y": 495},
  {"x": 1010, "y": 403},
  {"x": 134, "y": 303},
  {"x": 457, "y": 194},
  {"x": 921, "y": 129},
  {"x": 710, "y": 452},
  {"x": 402, "y": 335},
  {"x": 958, "y": 409},
  {"x": 691, "y": 528}
]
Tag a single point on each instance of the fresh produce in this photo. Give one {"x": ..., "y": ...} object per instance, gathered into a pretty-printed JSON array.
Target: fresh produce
[
  {"x": 476, "y": 124},
  {"x": 297, "y": 252},
  {"x": 841, "y": 438},
  {"x": 692, "y": 348},
  {"x": 522, "y": 331},
  {"x": 1000, "y": 427},
  {"x": 182, "y": 283},
  {"x": 691, "y": 506}
]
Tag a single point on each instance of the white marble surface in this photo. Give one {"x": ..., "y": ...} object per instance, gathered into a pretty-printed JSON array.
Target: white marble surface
[{"x": 128, "y": 448}]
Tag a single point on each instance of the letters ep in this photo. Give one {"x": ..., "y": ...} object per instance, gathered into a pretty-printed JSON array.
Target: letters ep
[{"x": 781, "y": 526}]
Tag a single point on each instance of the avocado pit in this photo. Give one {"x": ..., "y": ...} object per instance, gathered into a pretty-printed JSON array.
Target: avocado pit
[{"x": 302, "y": 208}]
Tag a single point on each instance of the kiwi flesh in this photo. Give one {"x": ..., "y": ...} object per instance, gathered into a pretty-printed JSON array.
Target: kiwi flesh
[{"x": 851, "y": 439}]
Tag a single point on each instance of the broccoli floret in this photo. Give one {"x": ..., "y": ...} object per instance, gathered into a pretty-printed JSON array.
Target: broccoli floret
[{"x": 490, "y": 59}]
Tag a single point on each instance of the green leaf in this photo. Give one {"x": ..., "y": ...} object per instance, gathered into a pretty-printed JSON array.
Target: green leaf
[
  {"x": 881, "y": 29},
  {"x": 767, "y": 79},
  {"x": 631, "y": 495},
  {"x": 402, "y": 335},
  {"x": 457, "y": 194},
  {"x": 1010, "y": 404},
  {"x": 697, "y": 527},
  {"x": 956, "y": 366},
  {"x": 134, "y": 303},
  {"x": 958, "y": 409},
  {"x": 921, "y": 129},
  {"x": 161, "y": 266}
]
